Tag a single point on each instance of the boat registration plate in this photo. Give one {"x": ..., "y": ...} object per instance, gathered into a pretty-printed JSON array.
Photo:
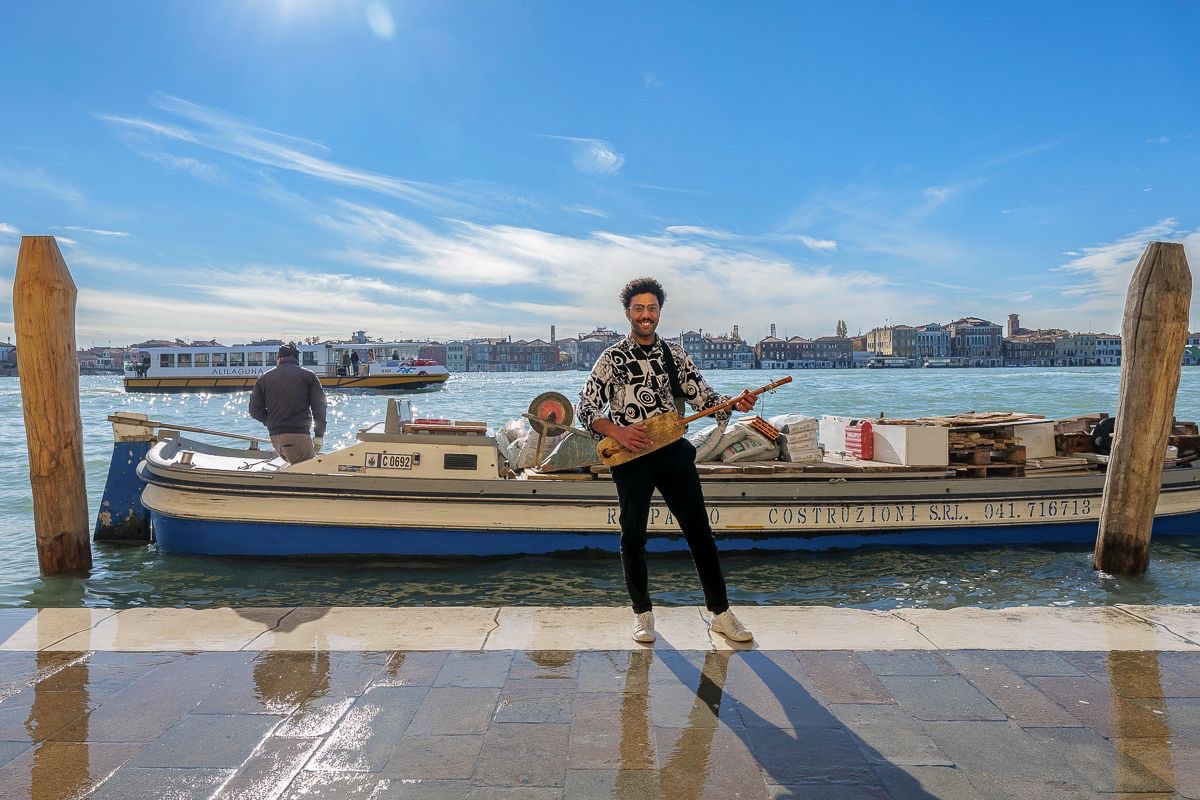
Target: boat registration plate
[{"x": 391, "y": 460}]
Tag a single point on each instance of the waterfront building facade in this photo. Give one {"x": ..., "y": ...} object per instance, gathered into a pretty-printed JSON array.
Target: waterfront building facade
[
  {"x": 932, "y": 341},
  {"x": 1108, "y": 350},
  {"x": 456, "y": 356},
  {"x": 976, "y": 342},
  {"x": 899, "y": 341},
  {"x": 1075, "y": 350},
  {"x": 1029, "y": 350},
  {"x": 1191, "y": 351}
]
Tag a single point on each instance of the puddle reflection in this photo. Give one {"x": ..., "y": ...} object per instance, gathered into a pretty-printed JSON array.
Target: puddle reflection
[
  {"x": 1143, "y": 734},
  {"x": 57, "y": 770}
]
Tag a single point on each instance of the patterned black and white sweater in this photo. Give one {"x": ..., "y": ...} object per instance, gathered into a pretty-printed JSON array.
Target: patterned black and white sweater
[{"x": 631, "y": 382}]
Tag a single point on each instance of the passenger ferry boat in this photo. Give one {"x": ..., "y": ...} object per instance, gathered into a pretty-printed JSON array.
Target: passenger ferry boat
[{"x": 391, "y": 366}]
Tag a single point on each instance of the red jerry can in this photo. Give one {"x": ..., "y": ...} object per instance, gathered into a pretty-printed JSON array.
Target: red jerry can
[{"x": 860, "y": 442}]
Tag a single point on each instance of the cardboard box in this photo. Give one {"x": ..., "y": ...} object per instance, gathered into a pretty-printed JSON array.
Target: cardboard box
[
  {"x": 1038, "y": 438},
  {"x": 910, "y": 445}
]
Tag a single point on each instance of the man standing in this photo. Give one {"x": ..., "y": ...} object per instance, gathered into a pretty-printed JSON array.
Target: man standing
[
  {"x": 288, "y": 400},
  {"x": 638, "y": 377}
]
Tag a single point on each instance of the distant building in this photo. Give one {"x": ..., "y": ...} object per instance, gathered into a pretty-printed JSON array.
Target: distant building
[
  {"x": 893, "y": 340},
  {"x": 932, "y": 341},
  {"x": 1191, "y": 351},
  {"x": 1029, "y": 350},
  {"x": 456, "y": 356},
  {"x": 1108, "y": 350},
  {"x": 1075, "y": 350},
  {"x": 505, "y": 355},
  {"x": 976, "y": 342}
]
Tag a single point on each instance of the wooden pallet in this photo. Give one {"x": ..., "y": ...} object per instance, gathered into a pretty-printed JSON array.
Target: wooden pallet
[{"x": 990, "y": 470}]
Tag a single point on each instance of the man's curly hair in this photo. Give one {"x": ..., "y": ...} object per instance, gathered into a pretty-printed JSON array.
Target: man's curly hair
[{"x": 641, "y": 286}]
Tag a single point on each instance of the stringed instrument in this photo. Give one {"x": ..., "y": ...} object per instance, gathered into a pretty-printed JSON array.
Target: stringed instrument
[{"x": 665, "y": 428}]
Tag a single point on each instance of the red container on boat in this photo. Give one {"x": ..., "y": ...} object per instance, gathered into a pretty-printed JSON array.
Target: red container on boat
[{"x": 860, "y": 442}]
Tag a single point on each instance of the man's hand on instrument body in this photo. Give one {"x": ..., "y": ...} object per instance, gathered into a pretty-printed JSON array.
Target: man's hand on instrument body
[
  {"x": 745, "y": 401},
  {"x": 631, "y": 437}
]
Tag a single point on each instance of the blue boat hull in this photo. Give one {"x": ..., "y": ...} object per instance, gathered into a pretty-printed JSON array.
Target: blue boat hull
[{"x": 212, "y": 537}]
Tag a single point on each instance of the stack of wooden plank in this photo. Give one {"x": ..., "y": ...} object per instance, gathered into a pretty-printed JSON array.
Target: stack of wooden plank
[
  {"x": 980, "y": 453},
  {"x": 981, "y": 443}
]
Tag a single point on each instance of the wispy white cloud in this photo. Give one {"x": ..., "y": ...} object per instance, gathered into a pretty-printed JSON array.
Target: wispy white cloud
[
  {"x": 8, "y": 230},
  {"x": 203, "y": 170},
  {"x": 727, "y": 236},
  {"x": 222, "y": 132},
  {"x": 36, "y": 180},
  {"x": 1158, "y": 140},
  {"x": 651, "y": 82},
  {"x": 591, "y": 212},
  {"x": 95, "y": 231},
  {"x": 594, "y": 156},
  {"x": 811, "y": 242},
  {"x": 380, "y": 21},
  {"x": 702, "y": 232}
]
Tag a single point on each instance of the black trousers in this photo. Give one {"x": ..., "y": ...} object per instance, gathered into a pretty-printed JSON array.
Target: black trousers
[{"x": 671, "y": 470}]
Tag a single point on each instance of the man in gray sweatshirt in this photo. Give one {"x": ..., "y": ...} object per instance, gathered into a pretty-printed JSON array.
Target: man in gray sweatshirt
[{"x": 289, "y": 400}]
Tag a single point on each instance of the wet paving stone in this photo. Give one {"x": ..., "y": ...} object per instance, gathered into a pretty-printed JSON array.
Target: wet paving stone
[
  {"x": 177, "y": 784},
  {"x": 1020, "y": 700},
  {"x": 269, "y": 771},
  {"x": 1094, "y": 704},
  {"x": 535, "y": 705},
  {"x": 888, "y": 735},
  {"x": 708, "y": 763},
  {"x": 540, "y": 668},
  {"x": 814, "y": 755},
  {"x": 523, "y": 755},
  {"x": 612, "y": 730},
  {"x": 411, "y": 669},
  {"x": 840, "y": 676},
  {"x": 440, "y": 758},
  {"x": 622, "y": 671},
  {"x": 225, "y": 741},
  {"x": 332, "y": 785},
  {"x": 422, "y": 790},
  {"x": 1105, "y": 768},
  {"x": 906, "y": 662},
  {"x": 605, "y": 784},
  {"x": 941, "y": 697},
  {"x": 62, "y": 769},
  {"x": 654, "y": 723},
  {"x": 154, "y": 702},
  {"x": 364, "y": 740},
  {"x": 1001, "y": 760},
  {"x": 925, "y": 783},
  {"x": 455, "y": 711},
  {"x": 476, "y": 670},
  {"x": 1039, "y": 664}
]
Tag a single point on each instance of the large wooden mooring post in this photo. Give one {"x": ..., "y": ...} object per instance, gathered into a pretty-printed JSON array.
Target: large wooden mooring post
[
  {"x": 1153, "y": 335},
  {"x": 44, "y": 318}
]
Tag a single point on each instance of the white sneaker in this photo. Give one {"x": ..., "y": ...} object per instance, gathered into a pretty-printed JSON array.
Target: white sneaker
[
  {"x": 643, "y": 627},
  {"x": 728, "y": 626}
]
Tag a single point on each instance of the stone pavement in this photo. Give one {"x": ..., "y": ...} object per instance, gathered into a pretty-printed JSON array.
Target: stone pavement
[{"x": 558, "y": 703}]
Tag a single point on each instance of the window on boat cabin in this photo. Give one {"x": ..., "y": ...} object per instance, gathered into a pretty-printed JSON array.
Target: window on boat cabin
[
  {"x": 218, "y": 359},
  {"x": 254, "y": 358},
  {"x": 201, "y": 359},
  {"x": 308, "y": 358},
  {"x": 184, "y": 360},
  {"x": 237, "y": 359},
  {"x": 166, "y": 359}
]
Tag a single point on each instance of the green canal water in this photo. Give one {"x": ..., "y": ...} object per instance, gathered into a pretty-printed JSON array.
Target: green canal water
[{"x": 990, "y": 577}]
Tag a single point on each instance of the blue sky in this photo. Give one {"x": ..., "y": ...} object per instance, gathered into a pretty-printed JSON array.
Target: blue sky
[{"x": 293, "y": 168}]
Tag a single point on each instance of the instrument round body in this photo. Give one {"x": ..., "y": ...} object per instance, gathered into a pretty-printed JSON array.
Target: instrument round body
[{"x": 661, "y": 428}]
